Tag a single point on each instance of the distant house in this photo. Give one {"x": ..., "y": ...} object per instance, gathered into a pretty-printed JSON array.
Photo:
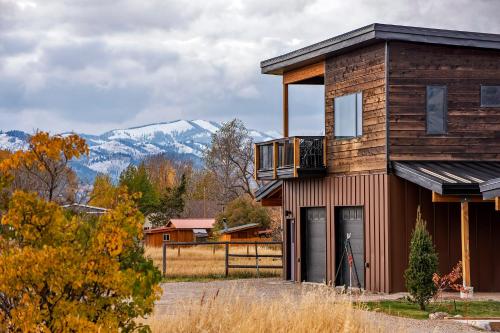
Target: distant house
[
  {"x": 244, "y": 233},
  {"x": 179, "y": 230},
  {"x": 85, "y": 209}
]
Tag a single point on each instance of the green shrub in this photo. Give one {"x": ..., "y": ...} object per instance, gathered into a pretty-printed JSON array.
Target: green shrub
[
  {"x": 240, "y": 211},
  {"x": 423, "y": 262}
]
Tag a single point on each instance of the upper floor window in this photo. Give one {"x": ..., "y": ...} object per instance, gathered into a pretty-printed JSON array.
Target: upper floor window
[
  {"x": 166, "y": 237},
  {"x": 437, "y": 108},
  {"x": 490, "y": 96},
  {"x": 349, "y": 115}
]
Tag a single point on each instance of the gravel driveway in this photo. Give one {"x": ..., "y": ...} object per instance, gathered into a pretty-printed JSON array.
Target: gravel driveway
[{"x": 177, "y": 294}]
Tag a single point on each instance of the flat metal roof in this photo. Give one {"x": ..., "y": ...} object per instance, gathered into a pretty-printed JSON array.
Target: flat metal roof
[
  {"x": 374, "y": 33},
  {"x": 450, "y": 178}
]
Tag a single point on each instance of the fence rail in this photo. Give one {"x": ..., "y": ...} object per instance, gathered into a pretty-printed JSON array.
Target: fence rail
[{"x": 228, "y": 255}]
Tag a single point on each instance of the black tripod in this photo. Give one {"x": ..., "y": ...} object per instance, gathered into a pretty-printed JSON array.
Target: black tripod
[{"x": 347, "y": 254}]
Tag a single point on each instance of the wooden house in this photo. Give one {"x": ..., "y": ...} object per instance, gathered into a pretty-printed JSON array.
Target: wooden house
[
  {"x": 251, "y": 232},
  {"x": 179, "y": 230},
  {"x": 412, "y": 118}
]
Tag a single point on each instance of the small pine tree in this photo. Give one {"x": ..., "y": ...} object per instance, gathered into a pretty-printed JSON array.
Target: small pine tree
[
  {"x": 171, "y": 204},
  {"x": 422, "y": 264}
]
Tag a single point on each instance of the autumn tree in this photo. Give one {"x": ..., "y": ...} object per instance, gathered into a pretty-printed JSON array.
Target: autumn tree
[
  {"x": 104, "y": 193},
  {"x": 136, "y": 180},
  {"x": 243, "y": 210},
  {"x": 62, "y": 273},
  {"x": 43, "y": 167},
  {"x": 162, "y": 172},
  {"x": 171, "y": 204},
  {"x": 230, "y": 160}
]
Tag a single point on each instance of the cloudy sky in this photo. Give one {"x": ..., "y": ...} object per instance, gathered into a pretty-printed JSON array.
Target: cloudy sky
[{"x": 95, "y": 65}]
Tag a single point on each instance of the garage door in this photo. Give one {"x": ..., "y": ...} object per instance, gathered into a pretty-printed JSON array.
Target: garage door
[
  {"x": 350, "y": 221},
  {"x": 315, "y": 244}
]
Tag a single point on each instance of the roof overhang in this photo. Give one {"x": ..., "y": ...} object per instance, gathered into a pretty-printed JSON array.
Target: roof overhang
[
  {"x": 375, "y": 33},
  {"x": 453, "y": 178},
  {"x": 270, "y": 194}
]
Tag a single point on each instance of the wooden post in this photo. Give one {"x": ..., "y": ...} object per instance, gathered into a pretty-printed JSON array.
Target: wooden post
[
  {"x": 256, "y": 160},
  {"x": 164, "y": 259},
  {"x": 285, "y": 110},
  {"x": 178, "y": 251},
  {"x": 227, "y": 259},
  {"x": 275, "y": 160},
  {"x": 465, "y": 244},
  {"x": 257, "y": 259}
]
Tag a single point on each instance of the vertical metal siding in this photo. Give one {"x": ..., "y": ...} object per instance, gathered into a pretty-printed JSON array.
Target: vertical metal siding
[{"x": 369, "y": 191}]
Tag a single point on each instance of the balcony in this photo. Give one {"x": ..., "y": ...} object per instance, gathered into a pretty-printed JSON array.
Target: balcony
[{"x": 293, "y": 157}]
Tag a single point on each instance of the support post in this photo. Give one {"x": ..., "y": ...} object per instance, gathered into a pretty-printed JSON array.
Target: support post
[
  {"x": 164, "y": 259},
  {"x": 296, "y": 156},
  {"x": 257, "y": 259},
  {"x": 465, "y": 250},
  {"x": 285, "y": 110},
  {"x": 227, "y": 260},
  {"x": 275, "y": 160},
  {"x": 256, "y": 160}
]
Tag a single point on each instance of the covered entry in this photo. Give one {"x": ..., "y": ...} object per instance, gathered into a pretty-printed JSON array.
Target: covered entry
[
  {"x": 314, "y": 245},
  {"x": 349, "y": 224},
  {"x": 464, "y": 207}
]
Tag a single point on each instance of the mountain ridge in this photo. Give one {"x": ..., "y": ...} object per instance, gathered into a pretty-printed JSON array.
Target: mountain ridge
[{"x": 112, "y": 151}]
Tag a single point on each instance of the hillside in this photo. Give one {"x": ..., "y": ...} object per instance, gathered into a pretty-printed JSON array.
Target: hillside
[{"x": 113, "y": 151}]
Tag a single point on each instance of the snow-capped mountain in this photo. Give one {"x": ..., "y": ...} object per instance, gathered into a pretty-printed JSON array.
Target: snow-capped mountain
[{"x": 113, "y": 151}]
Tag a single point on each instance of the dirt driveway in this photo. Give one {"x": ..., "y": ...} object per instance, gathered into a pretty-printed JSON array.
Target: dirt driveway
[{"x": 175, "y": 295}]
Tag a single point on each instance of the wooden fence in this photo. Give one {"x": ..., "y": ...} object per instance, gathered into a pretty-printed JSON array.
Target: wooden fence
[{"x": 228, "y": 255}]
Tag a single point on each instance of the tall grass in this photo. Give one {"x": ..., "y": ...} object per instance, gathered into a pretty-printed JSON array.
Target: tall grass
[
  {"x": 319, "y": 310},
  {"x": 208, "y": 261}
]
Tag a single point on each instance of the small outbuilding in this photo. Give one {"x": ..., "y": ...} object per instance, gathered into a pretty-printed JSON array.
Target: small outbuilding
[
  {"x": 179, "y": 230},
  {"x": 244, "y": 233}
]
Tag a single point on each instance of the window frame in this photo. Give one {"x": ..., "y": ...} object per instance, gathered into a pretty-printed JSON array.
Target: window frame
[
  {"x": 481, "y": 96},
  {"x": 445, "y": 109},
  {"x": 358, "y": 117},
  {"x": 168, "y": 237}
]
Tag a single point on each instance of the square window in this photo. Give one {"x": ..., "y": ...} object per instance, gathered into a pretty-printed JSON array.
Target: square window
[
  {"x": 437, "y": 107},
  {"x": 166, "y": 237},
  {"x": 490, "y": 96},
  {"x": 348, "y": 115}
]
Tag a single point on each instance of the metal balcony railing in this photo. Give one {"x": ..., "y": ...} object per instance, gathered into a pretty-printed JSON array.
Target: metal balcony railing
[{"x": 291, "y": 157}]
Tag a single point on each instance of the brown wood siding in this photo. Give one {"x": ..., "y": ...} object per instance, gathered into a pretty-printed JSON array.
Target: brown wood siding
[
  {"x": 473, "y": 131},
  {"x": 155, "y": 239},
  {"x": 369, "y": 191},
  {"x": 360, "y": 70},
  {"x": 443, "y": 222}
]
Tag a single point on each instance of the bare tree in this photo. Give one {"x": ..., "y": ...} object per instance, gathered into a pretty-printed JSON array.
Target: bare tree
[{"x": 230, "y": 160}]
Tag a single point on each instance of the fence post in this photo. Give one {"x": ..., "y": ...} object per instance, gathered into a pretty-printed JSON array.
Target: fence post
[
  {"x": 227, "y": 259},
  {"x": 178, "y": 251},
  {"x": 257, "y": 259},
  {"x": 164, "y": 258}
]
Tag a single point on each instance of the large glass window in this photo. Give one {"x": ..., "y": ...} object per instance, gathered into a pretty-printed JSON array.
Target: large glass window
[
  {"x": 490, "y": 96},
  {"x": 348, "y": 115},
  {"x": 437, "y": 105}
]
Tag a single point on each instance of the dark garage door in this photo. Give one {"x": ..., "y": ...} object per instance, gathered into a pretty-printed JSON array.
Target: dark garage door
[
  {"x": 315, "y": 244},
  {"x": 350, "y": 220}
]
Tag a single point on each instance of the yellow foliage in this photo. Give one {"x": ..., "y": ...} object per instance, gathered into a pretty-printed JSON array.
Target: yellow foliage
[
  {"x": 61, "y": 272},
  {"x": 104, "y": 193},
  {"x": 43, "y": 167}
]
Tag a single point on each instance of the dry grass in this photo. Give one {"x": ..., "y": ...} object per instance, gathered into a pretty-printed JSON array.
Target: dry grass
[
  {"x": 207, "y": 261},
  {"x": 318, "y": 310}
]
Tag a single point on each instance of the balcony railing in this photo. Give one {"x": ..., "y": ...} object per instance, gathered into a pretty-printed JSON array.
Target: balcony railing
[{"x": 299, "y": 156}]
